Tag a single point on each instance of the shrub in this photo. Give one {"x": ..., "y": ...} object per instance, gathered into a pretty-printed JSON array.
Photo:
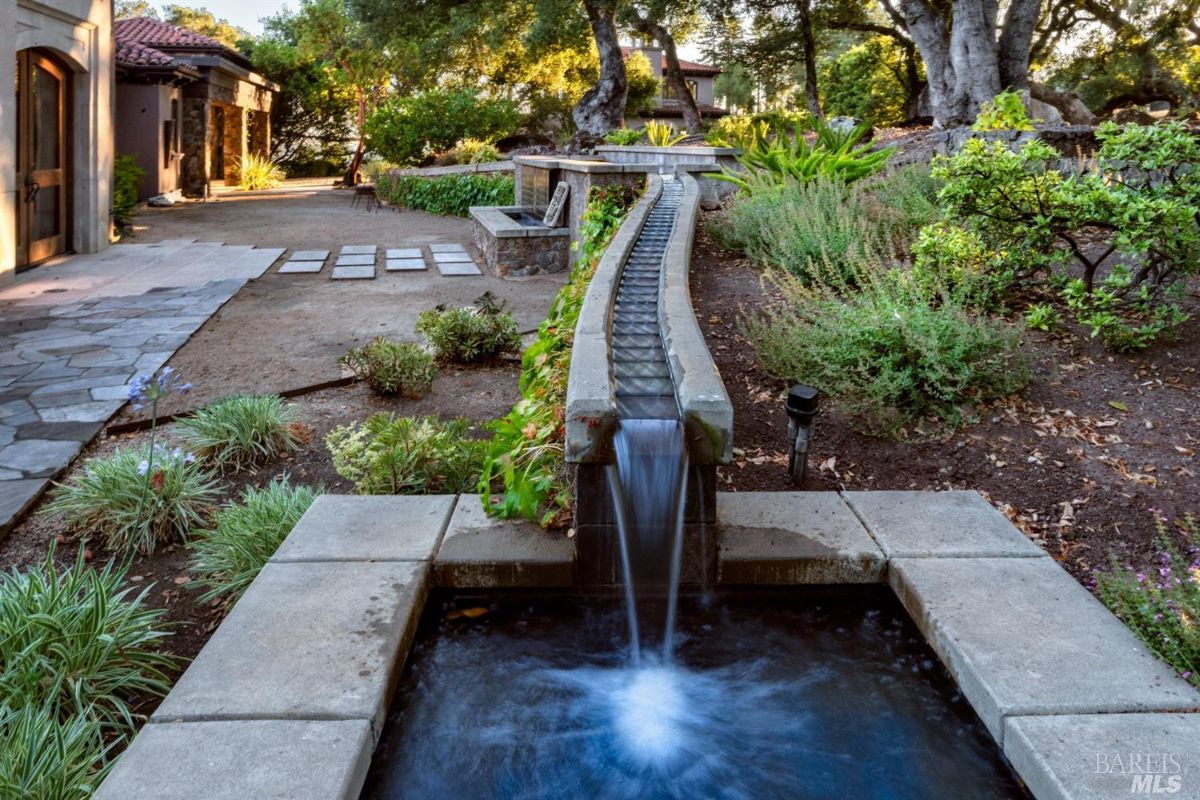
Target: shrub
[
  {"x": 742, "y": 132},
  {"x": 911, "y": 192},
  {"x": 407, "y": 129},
  {"x": 1006, "y": 112},
  {"x": 524, "y": 460},
  {"x": 957, "y": 262},
  {"x": 76, "y": 643},
  {"x": 137, "y": 497},
  {"x": 475, "y": 151},
  {"x": 258, "y": 172},
  {"x": 447, "y": 195},
  {"x": 388, "y": 454},
  {"x": 888, "y": 350},
  {"x": 127, "y": 175},
  {"x": 1041, "y": 317},
  {"x": 471, "y": 333},
  {"x": 834, "y": 154},
  {"x": 863, "y": 82},
  {"x": 660, "y": 134},
  {"x": 244, "y": 536},
  {"x": 44, "y": 757},
  {"x": 623, "y": 137},
  {"x": 392, "y": 367},
  {"x": 241, "y": 430},
  {"x": 1161, "y": 605}
]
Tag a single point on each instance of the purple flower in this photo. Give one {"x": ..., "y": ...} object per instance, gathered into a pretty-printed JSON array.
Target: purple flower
[{"x": 143, "y": 467}]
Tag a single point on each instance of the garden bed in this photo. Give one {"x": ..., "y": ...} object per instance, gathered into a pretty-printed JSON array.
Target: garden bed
[{"x": 1095, "y": 442}]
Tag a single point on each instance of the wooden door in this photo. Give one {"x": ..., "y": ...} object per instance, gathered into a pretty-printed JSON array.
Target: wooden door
[{"x": 42, "y": 190}]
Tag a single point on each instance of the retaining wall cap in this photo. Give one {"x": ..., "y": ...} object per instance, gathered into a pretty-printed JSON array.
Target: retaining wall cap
[
  {"x": 684, "y": 150},
  {"x": 368, "y": 528},
  {"x": 591, "y": 406}
]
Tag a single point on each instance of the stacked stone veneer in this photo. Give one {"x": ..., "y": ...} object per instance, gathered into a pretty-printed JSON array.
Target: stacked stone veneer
[{"x": 511, "y": 249}]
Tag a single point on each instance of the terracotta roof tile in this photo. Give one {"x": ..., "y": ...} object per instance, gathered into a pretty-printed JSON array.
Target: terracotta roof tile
[
  {"x": 161, "y": 35},
  {"x": 686, "y": 67}
]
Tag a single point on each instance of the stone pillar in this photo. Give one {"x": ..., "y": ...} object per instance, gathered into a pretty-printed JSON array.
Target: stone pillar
[
  {"x": 260, "y": 133},
  {"x": 235, "y": 141},
  {"x": 8, "y": 152},
  {"x": 196, "y": 166}
]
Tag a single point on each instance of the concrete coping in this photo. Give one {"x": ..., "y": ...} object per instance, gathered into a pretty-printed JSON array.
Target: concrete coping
[
  {"x": 681, "y": 150},
  {"x": 504, "y": 165},
  {"x": 500, "y": 225},
  {"x": 591, "y": 404},
  {"x": 704, "y": 405},
  {"x": 592, "y": 166}
]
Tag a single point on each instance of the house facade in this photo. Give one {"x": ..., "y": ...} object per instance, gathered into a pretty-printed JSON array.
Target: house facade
[
  {"x": 56, "y": 139},
  {"x": 189, "y": 108},
  {"x": 699, "y": 78}
]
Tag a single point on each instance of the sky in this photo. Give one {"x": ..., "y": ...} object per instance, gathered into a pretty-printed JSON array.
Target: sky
[{"x": 243, "y": 13}]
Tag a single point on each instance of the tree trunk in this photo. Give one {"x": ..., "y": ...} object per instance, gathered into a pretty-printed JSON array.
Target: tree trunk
[
  {"x": 812, "y": 97},
  {"x": 966, "y": 62},
  {"x": 360, "y": 150},
  {"x": 674, "y": 73},
  {"x": 602, "y": 107}
]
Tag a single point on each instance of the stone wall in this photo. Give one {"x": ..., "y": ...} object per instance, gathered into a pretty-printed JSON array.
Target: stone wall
[
  {"x": 520, "y": 256},
  {"x": 236, "y": 135},
  {"x": 194, "y": 141}
]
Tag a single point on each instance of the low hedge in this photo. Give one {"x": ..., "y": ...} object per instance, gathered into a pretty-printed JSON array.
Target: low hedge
[{"x": 448, "y": 195}]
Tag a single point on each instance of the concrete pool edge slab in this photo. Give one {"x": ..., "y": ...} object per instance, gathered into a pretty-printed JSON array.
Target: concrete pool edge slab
[{"x": 1036, "y": 656}]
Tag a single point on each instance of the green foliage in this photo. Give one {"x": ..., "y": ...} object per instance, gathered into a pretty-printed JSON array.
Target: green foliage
[
  {"x": 833, "y": 155},
  {"x": 388, "y": 454},
  {"x": 892, "y": 351},
  {"x": 136, "y": 497},
  {"x": 736, "y": 85},
  {"x": 643, "y": 85},
  {"x": 623, "y": 137},
  {"x": 862, "y": 82},
  {"x": 47, "y": 758},
  {"x": 1141, "y": 202},
  {"x": 524, "y": 460},
  {"x": 661, "y": 134},
  {"x": 1005, "y": 112},
  {"x": 406, "y": 130},
  {"x": 746, "y": 133},
  {"x": 392, "y": 368},
  {"x": 126, "y": 177},
  {"x": 1041, "y": 317},
  {"x": 956, "y": 260},
  {"x": 257, "y": 172},
  {"x": 76, "y": 643},
  {"x": 473, "y": 333},
  {"x": 244, "y": 536},
  {"x": 475, "y": 151},
  {"x": 241, "y": 430},
  {"x": 447, "y": 195},
  {"x": 1162, "y": 605}
]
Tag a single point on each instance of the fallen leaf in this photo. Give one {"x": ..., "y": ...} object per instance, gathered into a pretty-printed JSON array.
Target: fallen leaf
[{"x": 1119, "y": 406}]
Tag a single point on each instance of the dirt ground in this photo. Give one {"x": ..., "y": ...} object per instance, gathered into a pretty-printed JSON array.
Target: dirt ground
[{"x": 1096, "y": 441}]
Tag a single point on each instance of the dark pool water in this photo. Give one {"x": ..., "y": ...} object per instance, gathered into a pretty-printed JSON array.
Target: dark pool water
[{"x": 798, "y": 695}]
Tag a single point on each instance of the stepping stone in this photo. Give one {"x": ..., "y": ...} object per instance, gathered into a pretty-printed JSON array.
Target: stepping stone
[
  {"x": 405, "y": 252},
  {"x": 405, "y": 264},
  {"x": 301, "y": 267},
  {"x": 353, "y": 273},
  {"x": 359, "y": 249},
  {"x": 310, "y": 255},
  {"x": 356, "y": 260},
  {"x": 451, "y": 258},
  {"x": 459, "y": 268},
  {"x": 446, "y": 248}
]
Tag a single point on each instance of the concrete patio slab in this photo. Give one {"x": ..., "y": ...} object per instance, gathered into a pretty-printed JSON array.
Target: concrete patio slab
[
  {"x": 309, "y": 255},
  {"x": 1106, "y": 756},
  {"x": 306, "y": 641},
  {"x": 405, "y": 264},
  {"x": 359, "y": 249},
  {"x": 458, "y": 269},
  {"x": 368, "y": 528},
  {"x": 789, "y": 538},
  {"x": 447, "y": 248},
  {"x": 941, "y": 524},
  {"x": 479, "y": 552},
  {"x": 1022, "y": 637},
  {"x": 301, "y": 267},
  {"x": 404, "y": 252},
  {"x": 353, "y": 273},
  {"x": 457, "y": 257},
  {"x": 259, "y": 759},
  {"x": 355, "y": 260}
]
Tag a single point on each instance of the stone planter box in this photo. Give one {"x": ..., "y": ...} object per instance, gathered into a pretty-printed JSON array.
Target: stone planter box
[{"x": 512, "y": 249}]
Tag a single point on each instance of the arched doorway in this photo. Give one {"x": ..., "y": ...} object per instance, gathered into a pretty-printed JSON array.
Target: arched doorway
[{"x": 43, "y": 127}]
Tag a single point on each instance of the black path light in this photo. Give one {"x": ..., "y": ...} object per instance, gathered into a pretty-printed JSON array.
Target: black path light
[{"x": 802, "y": 404}]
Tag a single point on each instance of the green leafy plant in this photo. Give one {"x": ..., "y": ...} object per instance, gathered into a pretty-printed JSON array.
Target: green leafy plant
[
  {"x": 137, "y": 497},
  {"x": 623, "y": 137},
  {"x": 447, "y": 195},
  {"x": 257, "y": 172},
  {"x": 1005, "y": 112},
  {"x": 244, "y": 536},
  {"x": 1161, "y": 605},
  {"x": 127, "y": 175},
  {"x": 524, "y": 474},
  {"x": 475, "y": 151},
  {"x": 388, "y": 454},
  {"x": 833, "y": 154},
  {"x": 241, "y": 430},
  {"x": 891, "y": 351},
  {"x": 48, "y": 758},
  {"x": 661, "y": 134},
  {"x": 406, "y": 130},
  {"x": 1041, "y": 317},
  {"x": 392, "y": 368},
  {"x": 745, "y": 133},
  {"x": 469, "y": 334},
  {"x": 78, "y": 644}
]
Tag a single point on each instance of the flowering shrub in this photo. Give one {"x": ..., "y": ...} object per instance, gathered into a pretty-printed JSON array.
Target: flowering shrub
[
  {"x": 388, "y": 454},
  {"x": 472, "y": 333},
  {"x": 1162, "y": 605}
]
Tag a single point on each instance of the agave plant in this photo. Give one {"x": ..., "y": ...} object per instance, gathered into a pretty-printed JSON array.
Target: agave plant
[
  {"x": 661, "y": 134},
  {"x": 834, "y": 154}
]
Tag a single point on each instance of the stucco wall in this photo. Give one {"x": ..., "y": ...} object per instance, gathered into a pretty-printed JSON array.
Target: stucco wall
[
  {"x": 78, "y": 32},
  {"x": 142, "y": 111}
]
